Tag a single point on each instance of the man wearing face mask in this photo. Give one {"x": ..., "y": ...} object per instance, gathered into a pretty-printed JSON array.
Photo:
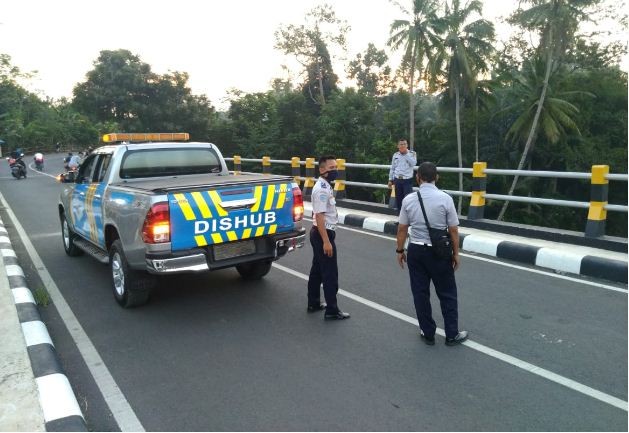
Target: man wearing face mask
[{"x": 324, "y": 268}]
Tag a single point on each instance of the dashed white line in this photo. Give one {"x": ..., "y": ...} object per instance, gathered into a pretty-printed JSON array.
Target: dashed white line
[{"x": 546, "y": 374}]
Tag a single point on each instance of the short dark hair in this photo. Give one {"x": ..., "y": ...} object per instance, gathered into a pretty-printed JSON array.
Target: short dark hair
[
  {"x": 326, "y": 158},
  {"x": 402, "y": 139},
  {"x": 427, "y": 171}
]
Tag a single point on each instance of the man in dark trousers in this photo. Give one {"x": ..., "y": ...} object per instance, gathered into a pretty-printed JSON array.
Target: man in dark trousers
[
  {"x": 401, "y": 172},
  {"x": 423, "y": 266},
  {"x": 322, "y": 235}
]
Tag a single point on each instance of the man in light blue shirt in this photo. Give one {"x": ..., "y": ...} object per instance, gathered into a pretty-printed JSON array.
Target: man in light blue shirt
[{"x": 401, "y": 172}]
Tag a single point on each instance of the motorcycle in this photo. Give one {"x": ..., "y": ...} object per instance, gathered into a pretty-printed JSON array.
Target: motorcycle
[{"x": 18, "y": 167}]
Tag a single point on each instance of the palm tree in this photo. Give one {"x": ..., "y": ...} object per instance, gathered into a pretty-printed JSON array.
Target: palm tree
[
  {"x": 557, "y": 21},
  {"x": 464, "y": 56},
  {"x": 418, "y": 33}
]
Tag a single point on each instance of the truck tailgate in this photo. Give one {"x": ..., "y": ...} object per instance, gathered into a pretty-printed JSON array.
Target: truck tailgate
[{"x": 229, "y": 213}]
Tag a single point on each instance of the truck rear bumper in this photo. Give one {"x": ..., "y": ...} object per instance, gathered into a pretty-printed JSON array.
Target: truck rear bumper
[{"x": 197, "y": 260}]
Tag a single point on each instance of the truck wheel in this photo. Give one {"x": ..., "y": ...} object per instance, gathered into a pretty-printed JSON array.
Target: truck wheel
[
  {"x": 254, "y": 270},
  {"x": 131, "y": 288},
  {"x": 68, "y": 237}
]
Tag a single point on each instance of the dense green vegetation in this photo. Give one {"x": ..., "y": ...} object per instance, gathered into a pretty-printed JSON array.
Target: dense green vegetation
[{"x": 560, "y": 104}]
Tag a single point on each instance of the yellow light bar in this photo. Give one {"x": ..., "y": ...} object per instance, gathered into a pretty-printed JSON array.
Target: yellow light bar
[{"x": 153, "y": 136}]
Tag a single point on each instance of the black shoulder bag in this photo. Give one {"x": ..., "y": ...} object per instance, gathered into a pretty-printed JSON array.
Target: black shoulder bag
[{"x": 439, "y": 238}]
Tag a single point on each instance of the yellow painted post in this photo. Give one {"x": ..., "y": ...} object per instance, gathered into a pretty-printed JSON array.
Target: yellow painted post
[
  {"x": 266, "y": 165},
  {"x": 339, "y": 184},
  {"x": 479, "y": 188},
  {"x": 237, "y": 164},
  {"x": 310, "y": 181},
  {"x": 295, "y": 169},
  {"x": 392, "y": 200},
  {"x": 597, "y": 215}
]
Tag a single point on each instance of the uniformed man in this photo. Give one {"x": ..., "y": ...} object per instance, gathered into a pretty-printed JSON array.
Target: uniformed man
[
  {"x": 401, "y": 172},
  {"x": 423, "y": 266},
  {"x": 322, "y": 235}
]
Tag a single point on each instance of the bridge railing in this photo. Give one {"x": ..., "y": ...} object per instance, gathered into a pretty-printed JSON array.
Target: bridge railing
[{"x": 597, "y": 207}]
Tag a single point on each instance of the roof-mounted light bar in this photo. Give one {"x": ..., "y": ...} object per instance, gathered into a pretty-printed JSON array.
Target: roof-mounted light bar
[{"x": 153, "y": 136}]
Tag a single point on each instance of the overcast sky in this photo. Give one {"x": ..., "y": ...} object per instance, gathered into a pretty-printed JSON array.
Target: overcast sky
[{"x": 221, "y": 44}]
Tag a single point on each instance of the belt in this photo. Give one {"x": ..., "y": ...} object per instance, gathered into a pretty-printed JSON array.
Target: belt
[
  {"x": 327, "y": 227},
  {"x": 402, "y": 178},
  {"x": 423, "y": 244}
]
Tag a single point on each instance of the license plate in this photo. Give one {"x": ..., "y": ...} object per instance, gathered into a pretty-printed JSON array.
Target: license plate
[{"x": 234, "y": 249}]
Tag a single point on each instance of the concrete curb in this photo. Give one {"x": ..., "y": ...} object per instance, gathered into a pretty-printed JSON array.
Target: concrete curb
[
  {"x": 58, "y": 403},
  {"x": 551, "y": 258}
]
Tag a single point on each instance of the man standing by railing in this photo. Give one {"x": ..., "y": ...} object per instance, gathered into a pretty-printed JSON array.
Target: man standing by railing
[{"x": 401, "y": 172}]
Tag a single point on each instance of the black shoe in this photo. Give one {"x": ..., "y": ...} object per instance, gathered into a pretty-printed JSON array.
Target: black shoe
[
  {"x": 458, "y": 339},
  {"x": 318, "y": 307},
  {"x": 338, "y": 315},
  {"x": 426, "y": 339}
]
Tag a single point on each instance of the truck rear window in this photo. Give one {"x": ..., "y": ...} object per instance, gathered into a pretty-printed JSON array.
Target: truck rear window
[{"x": 169, "y": 162}]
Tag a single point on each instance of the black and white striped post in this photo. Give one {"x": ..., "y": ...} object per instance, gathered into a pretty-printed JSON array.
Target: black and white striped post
[
  {"x": 597, "y": 215},
  {"x": 59, "y": 404}
]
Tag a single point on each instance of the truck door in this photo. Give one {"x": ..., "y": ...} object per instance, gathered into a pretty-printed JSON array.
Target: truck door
[
  {"x": 82, "y": 200},
  {"x": 99, "y": 180}
]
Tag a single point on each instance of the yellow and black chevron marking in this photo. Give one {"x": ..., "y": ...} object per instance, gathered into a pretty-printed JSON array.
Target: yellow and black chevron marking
[{"x": 206, "y": 205}]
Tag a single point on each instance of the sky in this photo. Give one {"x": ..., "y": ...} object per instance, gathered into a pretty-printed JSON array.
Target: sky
[{"x": 222, "y": 44}]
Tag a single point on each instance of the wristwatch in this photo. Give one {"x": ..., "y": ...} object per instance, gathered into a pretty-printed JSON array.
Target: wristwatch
[{"x": 400, "y": 251}]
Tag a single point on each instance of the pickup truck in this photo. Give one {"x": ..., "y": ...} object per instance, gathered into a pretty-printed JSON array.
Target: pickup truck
[{"x": 164, "y": 207}]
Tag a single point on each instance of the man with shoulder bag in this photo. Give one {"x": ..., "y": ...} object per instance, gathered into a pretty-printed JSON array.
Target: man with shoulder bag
[{"x": 433, "y": 253}]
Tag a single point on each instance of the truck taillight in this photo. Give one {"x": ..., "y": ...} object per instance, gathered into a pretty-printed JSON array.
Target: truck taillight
[
  {"x": 156, "y": 228},
  {"x": 298, "y": 204}
]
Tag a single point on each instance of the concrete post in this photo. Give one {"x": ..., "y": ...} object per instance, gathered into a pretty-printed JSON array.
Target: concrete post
[
  {"x": 237, "y": 164},
  {"x": 295, "y": 169},
  {"x": 310, "y": 181},
  {"x": 479, "y": 187},
  {"x": 597, "y": 215},
  {"x": 339, "y": 184}
]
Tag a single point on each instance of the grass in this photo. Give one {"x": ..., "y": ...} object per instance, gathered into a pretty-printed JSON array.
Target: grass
[{"x": 42, "y": 297}]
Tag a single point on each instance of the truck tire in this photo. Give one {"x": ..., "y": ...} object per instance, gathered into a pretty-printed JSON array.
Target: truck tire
[
  {"x": 68, "y": 236},
  {"x": 131, "y": 288},
  {"x": 254, "y": 270}
]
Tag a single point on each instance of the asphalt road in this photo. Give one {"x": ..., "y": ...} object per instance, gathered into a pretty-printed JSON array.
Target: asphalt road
[{"x": 212, "y": 352}]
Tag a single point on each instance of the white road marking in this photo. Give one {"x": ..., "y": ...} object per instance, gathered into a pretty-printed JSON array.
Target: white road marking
[
  {"x": 546, "y": 374},
  {"x": 40, "y": 172},
  {"x": 35, "y": 332},
  {"x": 56, "y": 397},
  {"x": 500, "y": 263},
  {"x": 22, "y": 295},
  {"x": 46, "y": 235},
  {"x": 14, "y": 271},
  {"x": 115, "y": 399}
]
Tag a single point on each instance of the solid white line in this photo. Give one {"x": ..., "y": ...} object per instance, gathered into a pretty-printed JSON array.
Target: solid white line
[
  {"x": 34, "y": 170},
  {"x": 56, "y": 397},
  {"x": 115, "y": 399},
  {"x": 546, "y": 374},
  {"x": 46, "y": 235},
  {"x": 22, "y": 295},
  {"x": 35, "y": 332},
  {"x": 14, "y": 271},
  {"x": 500, "y": 263}
]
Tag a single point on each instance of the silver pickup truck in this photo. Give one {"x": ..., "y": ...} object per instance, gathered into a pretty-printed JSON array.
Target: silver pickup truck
[{"x": 147, "y": 209}]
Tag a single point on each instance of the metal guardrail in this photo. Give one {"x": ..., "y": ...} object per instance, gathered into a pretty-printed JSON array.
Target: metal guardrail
[{"x": 514, "y": 198}]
